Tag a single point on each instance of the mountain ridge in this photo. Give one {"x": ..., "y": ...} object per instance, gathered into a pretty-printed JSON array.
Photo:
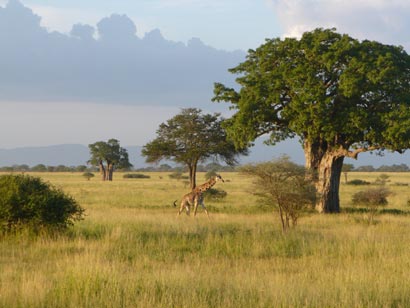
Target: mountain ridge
[{"x": 78, "y": 154}]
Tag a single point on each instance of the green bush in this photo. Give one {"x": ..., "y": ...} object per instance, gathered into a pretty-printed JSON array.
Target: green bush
[
  {"x": 29, "y": 201},
  {"x": 88, "y": 175},
  {"x": 178, "y": 176},
  {"x": 215, "y": 194},
  {"x": 358, "y": 182},
  {"x": 135, "y": 176},
  {"x": 372, "y": 199}
]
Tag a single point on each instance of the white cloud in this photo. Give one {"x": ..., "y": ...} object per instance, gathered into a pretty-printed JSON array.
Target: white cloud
[
  {"x": 387, "y": 21},
  {"x": 62, "y": 19}
]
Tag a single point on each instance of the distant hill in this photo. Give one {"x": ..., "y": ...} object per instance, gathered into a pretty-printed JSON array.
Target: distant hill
[{"x": 78, "y": 154}]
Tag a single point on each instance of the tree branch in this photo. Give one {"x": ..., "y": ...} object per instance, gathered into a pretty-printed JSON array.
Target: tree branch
[{"x": 355, "y": 153}]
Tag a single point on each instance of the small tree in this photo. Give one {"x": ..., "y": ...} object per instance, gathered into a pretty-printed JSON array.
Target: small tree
[
  {"x": 28, "y": 201},
  {"x": 372, "y": 199},
  {"x": 88, "y": 175},
  {"x": 111, "y": 154},
  {"x": 189, "y": 138},
  {"x": 284, "y": 185}
]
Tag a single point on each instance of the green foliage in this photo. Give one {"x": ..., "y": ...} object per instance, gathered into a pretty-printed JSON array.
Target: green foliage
[
  {"x": 178, "y": 176},
  {"x": 323, "y": 85},
  {"x": 339, "y": 95},
  {"x": 29, "y": 201},
  {"x": 135, "y": 176},
  {"x": 372, "y": 199},
  {"x": 382, "y": 179},
  {"x": 283, "y": 184},
  {"x": 210, "y": 174},
  {"x": 358, "y": 182},
  {"x": 88, "y": 175},
  {"x": 109, "y": 151},
  {"x": 214, "y": 194},
  {"x": 112, "y": 154},
  {"x": 191, "y": 137}
]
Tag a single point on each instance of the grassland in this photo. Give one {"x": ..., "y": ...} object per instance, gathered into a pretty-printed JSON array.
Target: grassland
[{"x": 132, "y": 251}]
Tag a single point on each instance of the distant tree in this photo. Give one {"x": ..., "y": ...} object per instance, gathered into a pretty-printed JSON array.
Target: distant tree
[
  {"x": 81, "y": 168},
  {"x": 366, "y": 168},
  {"x": 345, "y": 169},
  {"x": 394, "y": 168},
  {"x": 213, "y": 166},
  {"x": 284, "y": 185},
  {"x": 88, "y": 175},
  {"x": 165, "y": 167},
  {"x": 61, "y": 168},
  {"x": 191, "y": 137},
  {"x": 339, "y": 95},
  {"x": 39, "y": 168},
  {"x": 107, "y": 155}
]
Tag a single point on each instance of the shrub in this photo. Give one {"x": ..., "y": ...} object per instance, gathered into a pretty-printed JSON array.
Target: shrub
[
  {"x": 372, "y": 199},
  {"x": 284, "y": 185},
  {"x": 382, "y": 179},
  {"x": 135, "y": 176},
  {"x": 29, "y": 201},
  {"x": 88, "y": 175},
  {"x": 213, "y": 194},
  {"x": 178, "y": 176},
  {"x": 358, "y": 182}
]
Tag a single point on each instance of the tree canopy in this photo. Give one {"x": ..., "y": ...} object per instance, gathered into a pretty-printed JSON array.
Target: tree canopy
[
  {"x": 110, "y": 153},
  {"x": 191, "y": 137},
  {"x": 340, "y": 96}
]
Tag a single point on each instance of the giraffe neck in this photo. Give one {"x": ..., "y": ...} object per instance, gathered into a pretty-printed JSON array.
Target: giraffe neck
[{"x": 206, "y": 186}]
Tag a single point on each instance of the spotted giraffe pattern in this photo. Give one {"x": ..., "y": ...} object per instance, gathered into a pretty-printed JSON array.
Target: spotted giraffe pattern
[{"x": 195, "y": 197}]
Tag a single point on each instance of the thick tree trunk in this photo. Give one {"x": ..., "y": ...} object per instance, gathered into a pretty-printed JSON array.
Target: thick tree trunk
[
  {"x": 325, "y": 166},
  {"x": 327, "y": 185},
  {"x": 102, "y": 170},
  {"x": 110, "y": 171},
  {"x": 192, "y": 175}
]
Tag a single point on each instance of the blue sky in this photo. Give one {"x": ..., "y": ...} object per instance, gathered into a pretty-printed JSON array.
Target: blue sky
[{"x": 60, "y": 86}]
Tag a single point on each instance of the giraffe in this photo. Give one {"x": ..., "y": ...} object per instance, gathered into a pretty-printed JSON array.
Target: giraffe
[{"x": 195, "y": 197}]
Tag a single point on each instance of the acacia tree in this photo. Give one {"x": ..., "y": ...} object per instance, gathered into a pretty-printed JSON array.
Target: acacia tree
[
  {"x": 111, "y": 154},
  {"x": 191, "y": 137},
  {"x": 284, "y": 185},
  {"x": 340, "y": 96}
]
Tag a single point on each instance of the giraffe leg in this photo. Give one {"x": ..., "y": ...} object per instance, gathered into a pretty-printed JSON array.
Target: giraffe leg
[
  {"x": 181, "y": 208},
  {"x": 195, "y": 206},
  {"x": 204, "y": 207}
]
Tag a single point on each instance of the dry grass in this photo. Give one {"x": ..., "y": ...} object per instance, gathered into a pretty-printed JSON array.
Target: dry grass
[{"x": 131, "y": 251}]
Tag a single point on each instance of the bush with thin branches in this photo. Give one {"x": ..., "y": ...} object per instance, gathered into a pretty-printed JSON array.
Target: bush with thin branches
[{"x": 284, "y": 185}]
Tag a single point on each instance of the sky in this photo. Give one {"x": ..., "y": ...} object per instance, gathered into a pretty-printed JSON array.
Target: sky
[{"x": 76, "y": 71}]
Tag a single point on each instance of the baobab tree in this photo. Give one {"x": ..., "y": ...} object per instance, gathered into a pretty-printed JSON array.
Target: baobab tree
[
  {"x": 107, "y": 155},
  {"x": 338, "y": 95}
]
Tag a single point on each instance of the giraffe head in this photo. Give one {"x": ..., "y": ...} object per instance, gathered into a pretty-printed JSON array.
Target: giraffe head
[{"x": 219, "y": 178}]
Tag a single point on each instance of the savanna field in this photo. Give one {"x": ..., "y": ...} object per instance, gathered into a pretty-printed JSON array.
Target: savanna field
[{"x": 132, "y": 251}]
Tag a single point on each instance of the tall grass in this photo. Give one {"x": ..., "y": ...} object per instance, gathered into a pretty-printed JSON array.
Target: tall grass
[{"x": 132, "y": 251}]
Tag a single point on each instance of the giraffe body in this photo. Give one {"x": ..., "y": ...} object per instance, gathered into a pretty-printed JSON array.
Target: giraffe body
[{"x": 195, "y": 197}]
